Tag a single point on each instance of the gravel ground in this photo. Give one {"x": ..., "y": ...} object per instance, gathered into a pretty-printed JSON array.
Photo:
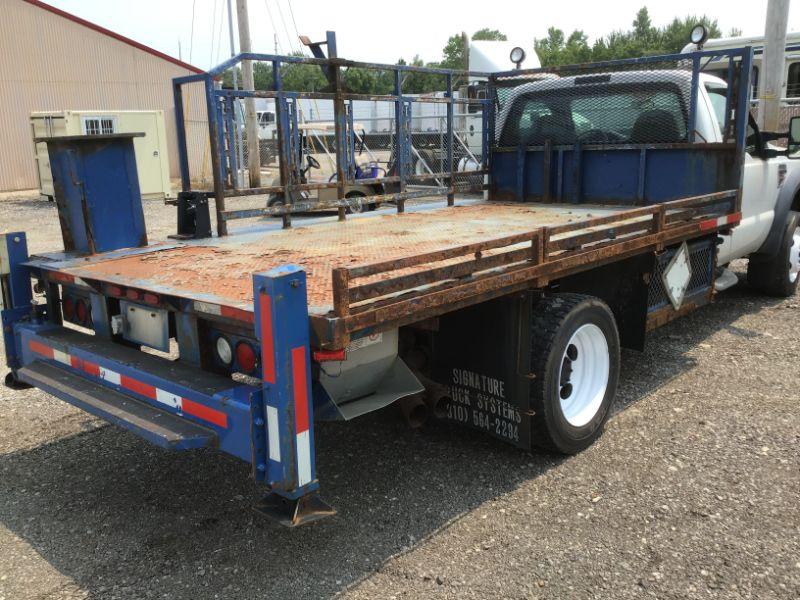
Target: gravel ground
[{"x": 692, "y": 492}]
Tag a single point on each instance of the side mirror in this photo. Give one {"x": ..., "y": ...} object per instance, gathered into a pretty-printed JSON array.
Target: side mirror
[{"x": 793, "y": 149}]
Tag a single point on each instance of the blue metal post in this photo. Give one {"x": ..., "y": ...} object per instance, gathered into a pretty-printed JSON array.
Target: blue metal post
[
  {"x": 399, "y": 136},
  {"x": 283, "y": 132},
  {"x": 451, "y": 193},
  {"x": 351, "y": 142},
  {"x": 230, "y": 125},
  {"x": 742, "y": 112},
  {"x": 726, "y": 130},
  {"x": 180, "y": 127},
  {"x": 693, "y": 98},
  {"x": 15, "y": 287},
  {"x": 214, "y": 138},
  {"x": 287, "y": 464},
  {"x": 487, "y": 133}
]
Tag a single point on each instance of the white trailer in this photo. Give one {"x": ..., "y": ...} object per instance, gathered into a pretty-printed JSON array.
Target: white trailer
[{"x": 152, "y": 160}]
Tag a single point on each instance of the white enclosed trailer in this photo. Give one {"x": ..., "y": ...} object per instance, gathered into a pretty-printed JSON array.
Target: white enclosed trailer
[{"x": 152, "y": 159}]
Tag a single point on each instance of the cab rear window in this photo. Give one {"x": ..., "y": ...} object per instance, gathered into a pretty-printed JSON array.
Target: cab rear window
[{"x": 564, "y": 116}]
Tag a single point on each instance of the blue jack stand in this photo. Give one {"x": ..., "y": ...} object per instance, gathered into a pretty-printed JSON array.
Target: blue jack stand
[{"x": 283, "y": 433}]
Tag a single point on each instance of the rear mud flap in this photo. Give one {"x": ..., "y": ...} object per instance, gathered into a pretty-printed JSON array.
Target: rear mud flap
[{"x": 482, "y": 355}]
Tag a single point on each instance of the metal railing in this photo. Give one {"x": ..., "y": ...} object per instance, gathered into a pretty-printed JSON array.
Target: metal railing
[{"x": 397, "y": 182}]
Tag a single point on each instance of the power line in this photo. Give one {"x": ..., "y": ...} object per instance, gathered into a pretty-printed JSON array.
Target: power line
[
  {"x": 191, "y": 35},
  {"x": 219, "y": 31},
  {"x": 291, "y": 12},
  {"x": 272, "y": 22},
  {"x": 213, "y": 31},
  {"x": 285, "y": 29}
]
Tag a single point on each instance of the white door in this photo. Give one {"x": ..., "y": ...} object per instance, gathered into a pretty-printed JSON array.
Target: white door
[
  {"x": 759, "y": 190},
  {"x": 149, "y": 162}
]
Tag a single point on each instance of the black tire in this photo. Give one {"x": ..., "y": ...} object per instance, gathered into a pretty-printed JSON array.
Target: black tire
[
  {"x": 15, "y": 383},
  {"x": 356, "y": 208},
  {"x": 773, "y": 275},
  {"x": 430, "y": 159},
  {"x": 554, "y": 321}
]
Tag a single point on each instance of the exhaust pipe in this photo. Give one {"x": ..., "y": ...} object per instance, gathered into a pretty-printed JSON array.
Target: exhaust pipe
[
  {"x": 437, "y": 398},
  {"x": 414, "y": 410}
]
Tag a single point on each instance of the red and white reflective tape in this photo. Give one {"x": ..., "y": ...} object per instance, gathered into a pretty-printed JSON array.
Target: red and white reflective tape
[
  {"x": 301, "y": 418},
  {"x": 720, "y": 222},
  {"x": 219, "y": 310},
  {"x": 67, "y": 278},
  {"x": 201, "y": 411},
  {"x": 302, "y": 427}
]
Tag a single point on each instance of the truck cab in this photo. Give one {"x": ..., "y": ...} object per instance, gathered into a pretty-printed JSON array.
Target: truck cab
[
  {"x": 766, "y": 168},
  {"x": 637, "y": 107}
]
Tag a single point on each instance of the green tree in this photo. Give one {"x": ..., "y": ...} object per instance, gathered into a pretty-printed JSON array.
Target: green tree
[
  {"x": 296, "y": 77},
  {"x": 675, "y": 36},
  {"x": 551, "y": 48},
  {"x": 420, "y": 83},
  {"x": 454, "y": 54},
  {"x": 643, "y": 29},
  {"x": 489, "y": 34},
  {"x": 641, "y": 40},
  {"x": 555, "y": 49}
]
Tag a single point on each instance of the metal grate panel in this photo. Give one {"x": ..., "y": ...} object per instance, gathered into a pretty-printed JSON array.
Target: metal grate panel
[{"x": 701, "y": 259}]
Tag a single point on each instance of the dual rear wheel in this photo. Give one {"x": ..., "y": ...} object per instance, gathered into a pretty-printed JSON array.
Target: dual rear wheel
[{"x": 575, "y": 356}]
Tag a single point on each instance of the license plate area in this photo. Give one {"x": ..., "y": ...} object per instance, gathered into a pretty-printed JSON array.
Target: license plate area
[{"x": 145, "y": 325}]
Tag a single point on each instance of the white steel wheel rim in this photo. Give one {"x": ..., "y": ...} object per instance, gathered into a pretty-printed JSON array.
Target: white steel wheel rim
[
  {"x": 584, "y": 374},
  {"x": 794, "y": 256}
]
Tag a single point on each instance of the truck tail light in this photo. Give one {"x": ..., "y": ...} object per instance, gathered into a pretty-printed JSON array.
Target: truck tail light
[
  {"x": 329, "y": 355},
  {"x": 246, "y": 357},
  {"x": 224, "y": 350},
  {"x": 151, "y": 299},
  {"x": 82, "y": 312},
  {"x": 68, "y": 308}
]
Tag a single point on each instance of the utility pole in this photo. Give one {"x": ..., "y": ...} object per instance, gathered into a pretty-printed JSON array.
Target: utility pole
[
  {"x": 237, "y": 117},
  {"x": 771, "y": 86},
  {"x": 465, "y": 45},
  {"x": 253, "y": 158}
]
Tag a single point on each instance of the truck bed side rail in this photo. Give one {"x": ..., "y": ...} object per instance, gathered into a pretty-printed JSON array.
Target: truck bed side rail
[{"x": 396, "y": 292}]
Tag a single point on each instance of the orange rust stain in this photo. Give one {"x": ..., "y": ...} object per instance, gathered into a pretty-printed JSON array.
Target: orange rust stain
[{"x": 226, "y": 268}]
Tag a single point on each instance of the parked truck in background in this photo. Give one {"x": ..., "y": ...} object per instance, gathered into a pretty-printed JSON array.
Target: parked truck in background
[
  {"x": 790, "y": 90},
  {"x": 615, "y": 194}
]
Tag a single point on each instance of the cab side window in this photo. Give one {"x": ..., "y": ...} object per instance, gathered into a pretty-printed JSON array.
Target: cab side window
[
  {"x": 793, "y": 81},
  {"x": 753, "y": 143},
  {"x": 718, "y": 101}
]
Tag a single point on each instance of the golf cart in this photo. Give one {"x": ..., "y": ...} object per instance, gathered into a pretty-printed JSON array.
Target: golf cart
[{"x": 315, "y": 138}]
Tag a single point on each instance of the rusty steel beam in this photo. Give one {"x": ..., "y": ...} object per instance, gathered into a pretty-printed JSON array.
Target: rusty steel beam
[
  {"x": 610, "y": 232},
  {"x": 365, "y": 270},
  {"x": 433, "y": 303},
  {"x": 376, "y": 289}
]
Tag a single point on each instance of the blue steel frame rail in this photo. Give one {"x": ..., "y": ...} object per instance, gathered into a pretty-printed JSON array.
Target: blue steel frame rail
[
  {"x": 270, "y": 426},
  {"x": 218, "y": 108}
]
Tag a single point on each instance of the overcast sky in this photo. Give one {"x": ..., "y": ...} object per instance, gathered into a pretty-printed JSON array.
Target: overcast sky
[{"x": 383, "y": 31}]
